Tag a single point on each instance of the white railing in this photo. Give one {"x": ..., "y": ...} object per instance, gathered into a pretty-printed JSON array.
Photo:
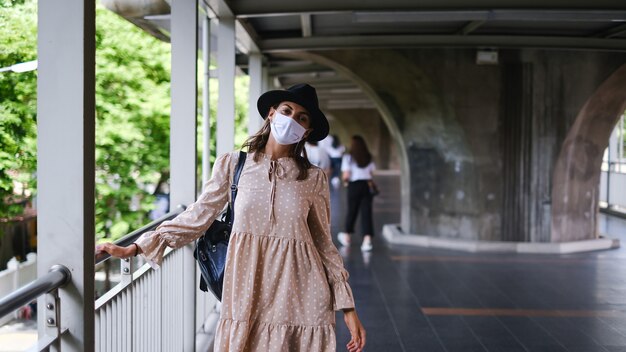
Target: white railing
[
  {"x": 46, "y": 285},
  {"x": 613, "y": 186},
  {"x": 146, "y": 310},
  {"x": 139, "y": 314},
  {"x": 15, "y": 276}
]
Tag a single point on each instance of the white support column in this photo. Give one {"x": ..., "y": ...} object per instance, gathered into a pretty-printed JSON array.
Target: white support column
[
  {"x": 266, "y": 79},
  {"x": 206, "y": 111},
  {"x": 184, "y": 36},
  {"x": 66, "y": 163},
  {"x": 614, "y": 145},
  {"x": 226, "y": 81},
  {"x": 255, "y": 71},
  {"x": 613, "y": 166}
]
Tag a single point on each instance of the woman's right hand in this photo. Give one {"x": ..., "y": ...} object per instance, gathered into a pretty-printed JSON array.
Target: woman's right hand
[{"x": 117, "y": 251}]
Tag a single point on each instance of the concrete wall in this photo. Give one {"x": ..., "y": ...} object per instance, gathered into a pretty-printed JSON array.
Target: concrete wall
[{"x": 479, "y": 143}]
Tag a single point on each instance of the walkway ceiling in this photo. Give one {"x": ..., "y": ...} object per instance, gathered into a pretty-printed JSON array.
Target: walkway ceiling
[{"x": 278, "y": 27}]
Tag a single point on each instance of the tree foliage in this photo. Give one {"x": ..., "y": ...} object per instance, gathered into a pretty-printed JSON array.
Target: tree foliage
[
  {"x": 18, "y": 109},
  {"x": 132, "y": 122},
  {"x": 132, "y": 115}
]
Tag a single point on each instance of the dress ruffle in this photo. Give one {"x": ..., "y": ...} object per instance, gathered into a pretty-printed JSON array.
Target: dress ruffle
[{"x": 246, "y": 336}]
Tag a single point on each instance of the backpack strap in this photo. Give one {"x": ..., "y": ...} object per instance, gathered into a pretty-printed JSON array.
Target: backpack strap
[
  {"x": 230, "y": 214},
  {"x": 234, "y": 186}
]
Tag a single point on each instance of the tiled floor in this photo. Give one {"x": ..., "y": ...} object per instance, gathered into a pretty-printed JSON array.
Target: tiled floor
[{"x": 413, "y": 299}]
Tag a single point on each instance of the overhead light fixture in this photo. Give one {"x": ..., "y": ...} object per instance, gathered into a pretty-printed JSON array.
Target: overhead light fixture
[{"x": 487, "y": 57}]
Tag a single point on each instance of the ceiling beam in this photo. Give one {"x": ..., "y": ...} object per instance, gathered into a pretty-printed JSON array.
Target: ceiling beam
[
  {"x": 470, "y": 27},
  {"x": 305, "y": 20},
  {"x": 612, "y": 32},
  {"x": 319, "y": 85},
  {"x": 338, "y": 97},
  {"x": 247, "y": 41},
  {"x": 246, "y": 38},
  {"x": 525, "y": 15},
  {"x": 344, "y": 105},
  {"x": 298, "y": 69},
  {"x": 330, "y": 82},
  {"x": 253, "y": 8},
  {"x": 408, "y": 41}
]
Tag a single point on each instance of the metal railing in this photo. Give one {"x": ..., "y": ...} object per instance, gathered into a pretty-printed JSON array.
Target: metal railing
[
  {"x": 132, "y": 237},
  {"x": 55, "y": 278},
  {"x": 48, "y": 285},
  {"x": 613, "y": 184},
  {"x": 145, "y": 311}
]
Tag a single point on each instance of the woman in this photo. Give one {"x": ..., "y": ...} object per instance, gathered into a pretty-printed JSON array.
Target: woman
[
  {"x": 284, "y": 277},
  {"x": 357, "y": 168}
]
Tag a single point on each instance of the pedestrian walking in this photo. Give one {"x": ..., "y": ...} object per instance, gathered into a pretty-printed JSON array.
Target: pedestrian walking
[{"x": 357, "y": 168}]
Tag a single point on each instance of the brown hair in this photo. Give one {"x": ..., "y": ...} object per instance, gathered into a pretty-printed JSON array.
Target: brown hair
[
  {"x": 359, "y": 152},
  {"x": 256, "y": 144}
]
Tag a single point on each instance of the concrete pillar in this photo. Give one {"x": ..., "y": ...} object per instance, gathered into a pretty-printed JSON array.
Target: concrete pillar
[
  {"x": 226, "y": 81},
  {"x": 255, "y": 71},
  {"x": 66, "y": 163},
  {"x": 183, "y": 143},
  {"x": 577, "y": 170}
]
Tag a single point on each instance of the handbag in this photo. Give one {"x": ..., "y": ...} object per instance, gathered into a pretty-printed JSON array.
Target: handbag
[
  {"x": 211, "y": 248},
  {"x": 372, "y": 188}
]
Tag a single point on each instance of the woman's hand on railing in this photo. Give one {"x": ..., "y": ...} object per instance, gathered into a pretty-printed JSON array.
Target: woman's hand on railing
[{"x": 118, "y": 251}]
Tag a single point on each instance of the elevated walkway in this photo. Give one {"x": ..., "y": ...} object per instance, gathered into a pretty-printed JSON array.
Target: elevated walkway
[{"x": 424, "y": 299}]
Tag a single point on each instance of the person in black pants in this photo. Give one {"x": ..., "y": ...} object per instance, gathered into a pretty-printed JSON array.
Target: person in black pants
[{"x": 357, "y": 168}]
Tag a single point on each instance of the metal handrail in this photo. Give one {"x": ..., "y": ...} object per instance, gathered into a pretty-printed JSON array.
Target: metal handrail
[
  {"x": 58, "y": 276},
  {"x": 131, "y": 237}
]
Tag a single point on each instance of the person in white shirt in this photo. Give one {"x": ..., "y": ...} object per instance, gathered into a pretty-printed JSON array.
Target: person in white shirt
[
  {"x": 318, "y": 156},
  {"x": 335, "y": 150},
  {"x": 357, "y": 168}
]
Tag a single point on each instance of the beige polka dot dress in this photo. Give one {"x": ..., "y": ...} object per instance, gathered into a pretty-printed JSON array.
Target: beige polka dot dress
[{"x": 284, "y": 277}]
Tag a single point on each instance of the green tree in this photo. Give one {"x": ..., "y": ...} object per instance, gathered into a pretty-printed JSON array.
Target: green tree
[
  {"x": 18, "y": 107},
  {"x": 132, "y": 122},
  {"x": 132, "y": 115},
  {"x": 133, "y": 107}
]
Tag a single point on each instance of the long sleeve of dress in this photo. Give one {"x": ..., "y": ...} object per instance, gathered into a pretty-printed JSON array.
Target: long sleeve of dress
[
  {"x": 319, "y": 223},
  {"x": 194, "y": 221}
]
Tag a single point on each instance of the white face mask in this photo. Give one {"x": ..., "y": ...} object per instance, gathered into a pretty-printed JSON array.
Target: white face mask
[{"x": 286, "y": 130}]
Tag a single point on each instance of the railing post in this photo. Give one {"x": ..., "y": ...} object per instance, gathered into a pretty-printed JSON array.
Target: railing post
[
  {"x": 126, "y": 271},
  {"x": 53, "y": 316}
]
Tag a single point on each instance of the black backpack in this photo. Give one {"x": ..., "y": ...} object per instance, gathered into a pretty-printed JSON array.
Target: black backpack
[{"x": 211, "y": 248}]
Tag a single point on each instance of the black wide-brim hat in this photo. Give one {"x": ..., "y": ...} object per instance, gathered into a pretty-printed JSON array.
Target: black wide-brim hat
[{"x": 301, "y": 94}]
